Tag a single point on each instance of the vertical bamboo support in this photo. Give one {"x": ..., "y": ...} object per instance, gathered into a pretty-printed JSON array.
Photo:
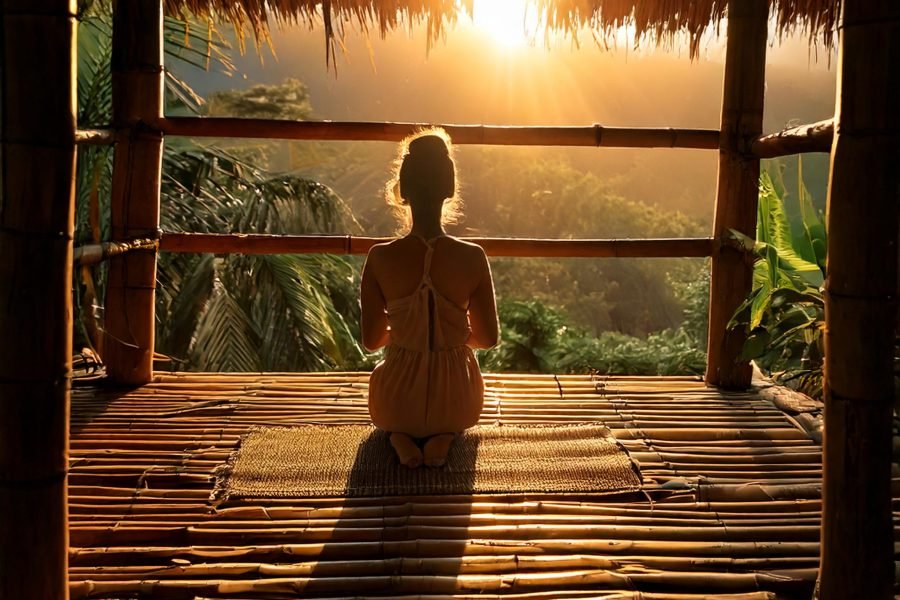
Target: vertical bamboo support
[
  {"x": 861, "y": 306},
  {"x": 37, "y": 199},
  {"x": 137, "y": 107},
  {"x": 738, "y": 186}
]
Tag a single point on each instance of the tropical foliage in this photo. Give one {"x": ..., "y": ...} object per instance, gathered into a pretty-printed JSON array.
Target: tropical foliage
[
  {"x": 248, "y": 313},
  {"x": 232, "y": 312},
  {"x": 518, "y": 195},
  {"x": 784, "y": 314},
  {"x": 536, "y": 338}
]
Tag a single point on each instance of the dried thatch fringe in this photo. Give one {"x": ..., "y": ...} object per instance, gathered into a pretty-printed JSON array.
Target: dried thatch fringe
[{"x": 656, "y": 21}]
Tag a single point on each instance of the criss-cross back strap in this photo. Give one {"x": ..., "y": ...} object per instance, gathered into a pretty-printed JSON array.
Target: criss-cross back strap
[{"x": 426, "y": 265}]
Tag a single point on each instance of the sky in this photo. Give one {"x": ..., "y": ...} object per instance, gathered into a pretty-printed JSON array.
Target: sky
[{"x": 487, "y": 71}]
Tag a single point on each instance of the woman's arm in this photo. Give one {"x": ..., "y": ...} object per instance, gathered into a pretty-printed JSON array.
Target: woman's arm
[
  {"x": 483, "y": 310},
  {"x": 372, "y": 306}
]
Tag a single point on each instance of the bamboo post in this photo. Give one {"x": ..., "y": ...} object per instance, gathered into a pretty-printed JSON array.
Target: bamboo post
[
  {"x": 37, "y": 129},
  {"x": 137, "y": 108},
  {"x": 738, "y": 186},
  {"x": 861, "y": 306}
]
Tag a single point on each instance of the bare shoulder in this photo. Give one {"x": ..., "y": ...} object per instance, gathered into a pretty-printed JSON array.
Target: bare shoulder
[
  {"x": 378, "y": 252},
  {"x": 467, "y": 249}
]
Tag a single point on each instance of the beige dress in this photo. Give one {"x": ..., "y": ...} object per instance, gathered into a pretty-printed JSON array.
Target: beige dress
[{"x": 429, "y": 381}]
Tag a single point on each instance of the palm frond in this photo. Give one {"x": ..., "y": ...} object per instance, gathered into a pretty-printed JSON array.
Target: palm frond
[
  {"x": 184, "y": 286},
  {"x": 225, "y": 339}
]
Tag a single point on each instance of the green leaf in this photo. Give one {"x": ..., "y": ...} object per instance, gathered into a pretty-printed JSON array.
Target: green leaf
[{"x": 756, "y": 344}]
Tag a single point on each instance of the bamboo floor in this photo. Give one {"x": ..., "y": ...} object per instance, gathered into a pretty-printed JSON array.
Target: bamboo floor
[{"x": 732, "y": 508}]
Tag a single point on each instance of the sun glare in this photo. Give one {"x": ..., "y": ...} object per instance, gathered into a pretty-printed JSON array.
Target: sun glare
[{"x": 505, "y": 21}]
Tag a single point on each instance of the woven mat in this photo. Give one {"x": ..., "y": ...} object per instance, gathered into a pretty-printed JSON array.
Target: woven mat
[{"x": 357, "y": 460}]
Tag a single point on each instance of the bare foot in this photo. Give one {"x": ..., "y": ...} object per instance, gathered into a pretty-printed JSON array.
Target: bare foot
[
  {"x": 407, "y": 451},
  {"x": 436, "y": 449}
]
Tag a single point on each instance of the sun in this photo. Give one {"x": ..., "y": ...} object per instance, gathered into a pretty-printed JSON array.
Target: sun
[{"x": 507, "y": 22}]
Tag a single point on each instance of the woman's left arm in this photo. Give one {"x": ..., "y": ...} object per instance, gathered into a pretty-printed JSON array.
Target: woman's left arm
[{"x": 372, "y": 306}]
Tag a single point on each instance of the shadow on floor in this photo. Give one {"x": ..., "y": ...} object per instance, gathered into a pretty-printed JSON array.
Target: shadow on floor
[{"x": 399, "y": 530}]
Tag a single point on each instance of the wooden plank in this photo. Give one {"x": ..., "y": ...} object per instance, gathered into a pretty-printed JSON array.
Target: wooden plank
[
  {"x": 738, "y": 187},
  {"x": 345, "y": 244},
  {"x": 37, "y": 129}
]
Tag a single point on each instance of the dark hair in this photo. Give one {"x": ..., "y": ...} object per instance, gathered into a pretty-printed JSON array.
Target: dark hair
[{"x": 424, "y": 169}]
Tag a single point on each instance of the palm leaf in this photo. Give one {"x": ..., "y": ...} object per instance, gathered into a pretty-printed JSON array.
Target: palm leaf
[
  {"x": 225, "y": 339},
  {"x": 813, "y": 226},
  {"x": 184, "y": 287}
]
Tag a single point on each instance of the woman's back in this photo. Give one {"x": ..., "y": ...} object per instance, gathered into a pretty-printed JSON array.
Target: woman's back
[
  {"x": 458, "y": 273},
  {"x": 456, "y": 269}
]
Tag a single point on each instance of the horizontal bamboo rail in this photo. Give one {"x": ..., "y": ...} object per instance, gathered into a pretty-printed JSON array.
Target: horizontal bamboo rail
[
  {"x": 813, "y": 137},
  {"x": 591, "y": 135},
  {"x": 95, "y": 137},
  {"x": 346, "y": 244},
  {"x": 91, "y": 254}
]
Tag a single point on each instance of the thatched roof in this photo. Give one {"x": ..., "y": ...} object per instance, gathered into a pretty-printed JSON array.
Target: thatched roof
[{"x": 657, "y": 21}]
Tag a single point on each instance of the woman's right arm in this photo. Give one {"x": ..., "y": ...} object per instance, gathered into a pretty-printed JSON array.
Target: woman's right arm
[
  {"x": 372, "y": 307},
  {"x": 483, "y": 310}
]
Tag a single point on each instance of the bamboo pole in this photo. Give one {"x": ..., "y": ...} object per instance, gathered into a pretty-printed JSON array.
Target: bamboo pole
[
  {"x": 592, "y": 135},
  {"x": 814, "y": 137},
  {"x": 37, "y": 129},
  {"x": 91, "y": 254},
  {"x": 345, "y": 244},
  {"x": 861, "y": 306},
  {"x": 738, "y": 187},
  {"x": 134, "y": 210},
  {"x": 95, "y": 137}
]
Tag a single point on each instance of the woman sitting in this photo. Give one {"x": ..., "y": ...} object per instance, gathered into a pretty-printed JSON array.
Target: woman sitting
[{"x": 429, "y": 299}]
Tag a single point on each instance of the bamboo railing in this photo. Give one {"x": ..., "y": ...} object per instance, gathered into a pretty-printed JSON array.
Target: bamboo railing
[
  {"x": 594, "y": 135},
  {"x": 515, "y": 247},
  {"x": 811, "y": 137},
  {"x": 91, "y": 254},
  {"x": 814, "y": 137},
  {"x": 95, "y": 137}
]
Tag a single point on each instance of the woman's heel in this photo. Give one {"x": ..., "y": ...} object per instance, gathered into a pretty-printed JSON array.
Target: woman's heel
[
  {"x": 436, "y": 449},
  {"x": 407, "y": 451}
]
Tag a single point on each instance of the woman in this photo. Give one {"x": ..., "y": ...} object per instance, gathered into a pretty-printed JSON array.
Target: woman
[{"x": 429, "y": 298}]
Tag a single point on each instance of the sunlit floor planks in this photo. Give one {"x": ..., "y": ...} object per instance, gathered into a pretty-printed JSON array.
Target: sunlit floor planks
[{"x": 733, "y": 511}]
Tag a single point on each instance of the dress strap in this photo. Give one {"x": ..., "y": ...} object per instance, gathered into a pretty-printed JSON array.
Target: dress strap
[{"x": 426, "y": 266}]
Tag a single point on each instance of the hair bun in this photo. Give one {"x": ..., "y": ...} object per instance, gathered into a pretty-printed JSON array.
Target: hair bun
[{"x": 428, "y": 146}]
